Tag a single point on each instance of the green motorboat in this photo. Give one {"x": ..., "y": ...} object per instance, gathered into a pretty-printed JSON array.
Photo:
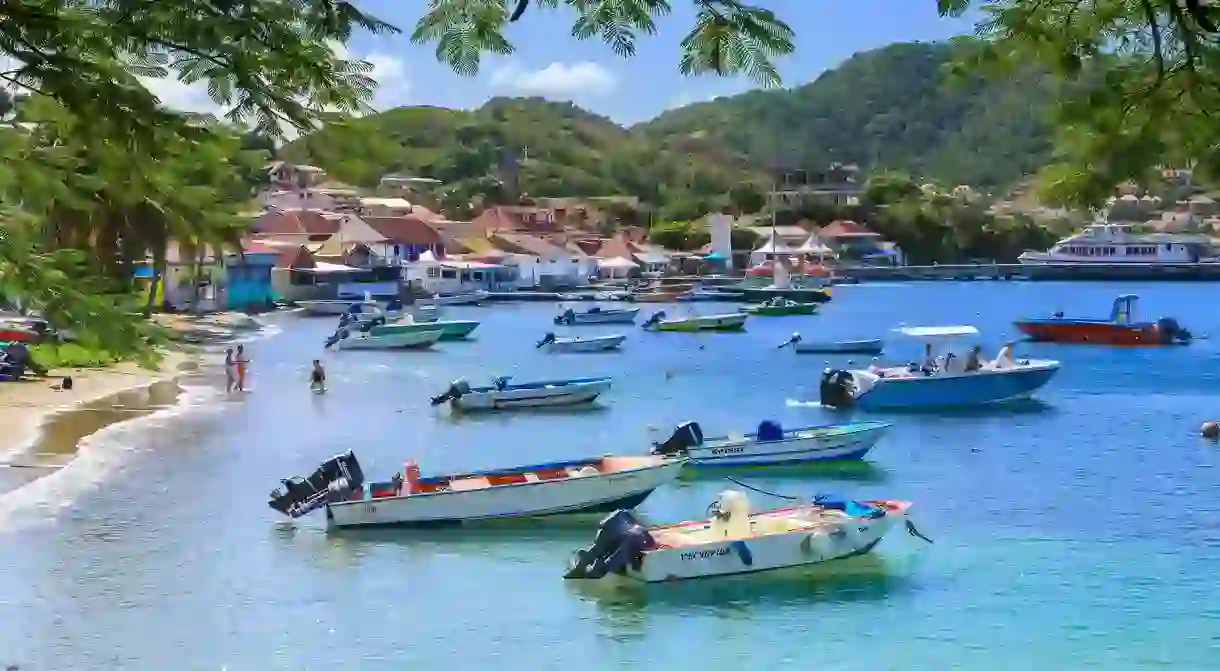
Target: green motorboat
[
  {"x": 780, "y": 307},
  {"x": 457, "y": 329}
]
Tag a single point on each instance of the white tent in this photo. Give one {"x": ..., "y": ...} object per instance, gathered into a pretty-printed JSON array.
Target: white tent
[
  {"x": 771, "y": 249},
  {"x": 814, "y": 247},
  {"x": 616, "y": 266}
]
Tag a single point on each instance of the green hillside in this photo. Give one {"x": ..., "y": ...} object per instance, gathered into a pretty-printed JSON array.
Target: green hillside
[{"x": 893, "y": 108}]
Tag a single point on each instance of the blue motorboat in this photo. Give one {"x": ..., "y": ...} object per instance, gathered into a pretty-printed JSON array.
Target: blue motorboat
[{"x": 940, "y": 381}]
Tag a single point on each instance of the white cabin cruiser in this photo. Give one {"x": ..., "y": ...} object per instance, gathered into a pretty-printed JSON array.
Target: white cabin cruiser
[{"x": 1115, "y": 243}]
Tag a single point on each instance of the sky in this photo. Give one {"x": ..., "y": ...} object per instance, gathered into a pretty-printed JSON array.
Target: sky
[{"x": 548, "y": 62}]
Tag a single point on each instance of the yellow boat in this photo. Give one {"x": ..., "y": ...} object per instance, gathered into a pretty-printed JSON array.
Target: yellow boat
[{"x": 724, "y": 322}]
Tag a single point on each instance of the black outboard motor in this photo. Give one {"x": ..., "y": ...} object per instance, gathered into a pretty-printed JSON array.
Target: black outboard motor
[
  {"x": 686, "y": 435},
  {"x": 337, "y": 336},
  {"x": 1171, "y": 331},
  {"x": 456, "y": 390},
  {"x": 345, "y": 319},
  {"x": 836, "y": 389},
  {"x": 334, "y": 480},
  {"x": 654, "y": 319},
  {"x": 568, "y": 317},
  {"x": 546, "y": 340},
  {"x": 621, "y": 541}
]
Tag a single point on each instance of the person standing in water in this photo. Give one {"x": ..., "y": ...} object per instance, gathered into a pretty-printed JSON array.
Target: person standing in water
[
  {"x": 230, "y": 377},
  {"x": 317, "y": 377},
  {"x": 241, "y": 362}
]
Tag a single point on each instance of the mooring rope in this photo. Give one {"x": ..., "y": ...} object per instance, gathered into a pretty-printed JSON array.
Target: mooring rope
[{"x": 762, "y": 491}]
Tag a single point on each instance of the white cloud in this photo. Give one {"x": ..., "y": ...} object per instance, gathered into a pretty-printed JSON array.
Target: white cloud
[{"x": 559, "y": 80}]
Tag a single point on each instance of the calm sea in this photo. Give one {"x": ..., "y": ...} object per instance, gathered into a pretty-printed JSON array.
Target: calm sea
[{"x": 1075, "y": 532}]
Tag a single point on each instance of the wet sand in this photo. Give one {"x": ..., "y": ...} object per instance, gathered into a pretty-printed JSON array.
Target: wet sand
[{"x": 43, "y": 426}]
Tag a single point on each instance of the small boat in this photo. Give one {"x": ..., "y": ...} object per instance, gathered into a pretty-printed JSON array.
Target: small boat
[
  {"x": 367, "y": 311},
  {"x": 733, "y": 541},
  {"x": 345, "y": 338},
  {"x": 451, "y": 329},
  {"x": 772, "y": 445},
  {"x": 568, "y": 487},
  {"x": 325, "y": 308},
  {"x": 465, "y": 298},
  {"x": 660, "y": 297},
  {"x": 501, "y": 395},
  {"x": 724, "y": 322},
  {"x": 1119, "y": 329},
  {"x": 597, "y": 315},
  {"x": 16, "y": 330},
  {"x": 868, "y": 346},
  {"x": 595, "y": 344},
  {"x": 946, "y": 383},
  {"x": 781, "y": 307}
]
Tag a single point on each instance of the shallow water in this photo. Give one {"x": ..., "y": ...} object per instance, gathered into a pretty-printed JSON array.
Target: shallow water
[{"x": 1077, "y": 531}]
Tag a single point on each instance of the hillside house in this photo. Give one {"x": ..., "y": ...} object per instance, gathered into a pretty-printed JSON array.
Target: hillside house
[
  {"x": 405, "y": 238},
  {"x": 541, "y": 263},
  {"x": 286, "y": 175},
  {"x": 297, "y": 226},
  {"x": 296, "y": 199},
  {"x": 518, "y": 218}
]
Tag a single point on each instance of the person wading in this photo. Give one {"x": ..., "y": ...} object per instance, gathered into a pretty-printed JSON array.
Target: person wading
[
  {"x": 241, "y": 362},
  {"x": 230, "y": 371}
]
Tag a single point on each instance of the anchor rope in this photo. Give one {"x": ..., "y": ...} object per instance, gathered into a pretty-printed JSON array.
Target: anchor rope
[{"x": 762, "y": 491}]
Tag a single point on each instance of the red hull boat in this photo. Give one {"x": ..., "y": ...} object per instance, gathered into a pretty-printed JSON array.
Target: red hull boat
[{"x": 1117, "y": 330}]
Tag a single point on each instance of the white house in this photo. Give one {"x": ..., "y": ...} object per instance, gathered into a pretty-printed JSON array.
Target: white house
[
  {"x": 297, "y": 199},
  {"x": 553, "y": 266}
]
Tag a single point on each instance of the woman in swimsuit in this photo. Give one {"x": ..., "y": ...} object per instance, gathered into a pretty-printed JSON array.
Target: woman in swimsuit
[
  {"x": 241, "y": 362},
  {"x": 229, "y": 371}
]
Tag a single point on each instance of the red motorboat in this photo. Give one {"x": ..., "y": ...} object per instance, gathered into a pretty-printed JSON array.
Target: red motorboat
[
  {"x": 16, "y": 332},
  {"x": 1119, "y": 329}
]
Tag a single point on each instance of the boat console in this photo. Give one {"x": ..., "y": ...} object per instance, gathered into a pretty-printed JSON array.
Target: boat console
[
  {"x": 334, "y": 480},
  {"x": 621, "y": 541}
]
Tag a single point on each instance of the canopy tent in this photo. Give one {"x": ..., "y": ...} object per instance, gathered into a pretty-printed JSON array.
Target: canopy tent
[
  {"x": 652, "y": 257},
  {"x": 617, "y": 263},
  {"x": 770, "y": 249},
  {"x": 814, "y": 247}
]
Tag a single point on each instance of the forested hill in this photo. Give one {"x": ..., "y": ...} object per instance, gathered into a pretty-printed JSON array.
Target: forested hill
[{"x": 893, "y": 107}]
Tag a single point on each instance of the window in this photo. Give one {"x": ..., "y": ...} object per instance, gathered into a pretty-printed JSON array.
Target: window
[
  {"x": 449, "y": 274},
  {"x": 434, "y": 272}
]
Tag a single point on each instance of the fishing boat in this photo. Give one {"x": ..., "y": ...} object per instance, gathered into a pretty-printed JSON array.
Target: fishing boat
[
  {"x": 451, "y": 329},
  {"x": 946, "y": 381},
  {"x": 724, "y": 322},
  {"x": 867, "y": 346},
  {"x": 1119, "y": 329},
  {"x": 325, "y": 308},
  {"x": 660, "y": 297},
  {"x": 348, "y": 339},
  {"x": 568, "y": 487},
  {"x": 596, "y": 344},
  {"x": 597, "y": 315},
  {"x": 733, "y": 541},
  {"x": 464, "y": 298},
  {"x": 501, "y": 395},
  {"x": 771, "y": 445},
  {"x": 706, "y": 295},
  {"x": 366, "y": 311},
  {"x": 781, "y": 307}
]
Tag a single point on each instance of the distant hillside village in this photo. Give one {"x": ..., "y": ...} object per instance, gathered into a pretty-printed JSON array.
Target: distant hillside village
[{"x": 314, "y": 238}]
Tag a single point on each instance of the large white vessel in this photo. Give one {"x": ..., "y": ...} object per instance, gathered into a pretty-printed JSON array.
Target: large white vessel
[{"x": 1115, "y": 243}]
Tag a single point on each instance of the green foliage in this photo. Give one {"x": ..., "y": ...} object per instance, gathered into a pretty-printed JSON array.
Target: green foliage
[
  {"x": 562, "y": 149},
  {"x": 892, "y": 108},
  {"x": 71, "y": 355},
  {"x": 729, "y": 36}
]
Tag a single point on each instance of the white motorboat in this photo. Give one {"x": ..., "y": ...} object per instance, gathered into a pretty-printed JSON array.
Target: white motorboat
[
  {"x": 723, "y": 322},
  {"x": 1117, "y": 243},
  {"x": 345, "y": 338},
  {"x": 733, "y": 541},
  {"x": 501, "y": 395},
  {"x": 867, "y": 346},
  {"x": 363, "y": 312},
  {"x": 597, "y": 315},
  {"x": 465, "y": 298},
  {"x": 551, "y": 343},
  {"x": 325, "y": 308},
  {"x": 771, "y": 445},
  {"x": 569, "y": 487},
  {"x": 945, "y": 382}
]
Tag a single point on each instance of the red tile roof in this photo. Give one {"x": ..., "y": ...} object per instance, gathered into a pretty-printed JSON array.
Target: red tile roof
[
  {"x": 296, "y": 222},
  {"x": 843, "y": 228},
  {"x": 617, "y": 246},
  {"x": 526, "y": 244},
  {"x": 406, "y": 230},
  {"x": 255, "y": 247}
]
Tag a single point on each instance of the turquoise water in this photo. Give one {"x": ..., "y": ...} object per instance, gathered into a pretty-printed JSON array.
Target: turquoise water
[{"x": 1078, "y": 531}]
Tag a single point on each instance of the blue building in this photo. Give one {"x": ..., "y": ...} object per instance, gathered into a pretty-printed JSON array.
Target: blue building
[{"x": 247, "y": 278}]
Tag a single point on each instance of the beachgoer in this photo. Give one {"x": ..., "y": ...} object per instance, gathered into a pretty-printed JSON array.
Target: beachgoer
[
  {"x": 973, "y": 360},
  {"x": 241, "y": 361},
  {"x": 1004, "y": 358},
  {"x": 317, "y": 377},
  {"x": 230, "y": 371}
]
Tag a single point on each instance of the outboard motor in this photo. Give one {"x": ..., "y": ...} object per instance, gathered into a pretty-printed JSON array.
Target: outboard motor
[
  {"x": 836, "y": 389},
  {"x": 568, "y": 317},
  {"x": 654, "y": 319},
  {"x": 1171, "y": 331},
  {"x": 333, "y": 481},
  {"x": 345, "y": 319},
  {"x": 546, "y": 340},
  {"x": 337, "y": 336},
  {"x": 456, "y": 390},
  {"x": 620, "y": 542},
  {"x": 686, "y": 435}
]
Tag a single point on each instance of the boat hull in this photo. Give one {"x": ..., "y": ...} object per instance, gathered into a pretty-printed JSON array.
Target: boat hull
[
  {"x": 411, "y": 340},
  {"x": 799, "y": 446},
  {"x": 783, "y": 310},
  {"x": 574, "y": 495},
  {"x": 531, "y": 397},
  {"x": 471, "y": 298},
  {"x": 1092, "y": 332},
  {"x": 709, "y": 323},
  {"x": 325, "y": 308},
  {"x": 450, "y": 330},
  {"x": 968, "y": 389},
  {"x": 855, "y": 536},
  {"x": 603, "y": 344},
  {"x": 606, "y": 317},
  {"x": 842, "y": 347}
]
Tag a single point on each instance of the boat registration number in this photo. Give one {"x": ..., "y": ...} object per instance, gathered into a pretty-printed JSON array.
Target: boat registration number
[
  {"x": 370, "y": 510},
  {"x": 704, "y": 554},
  {"x": 728, "y": 450}
]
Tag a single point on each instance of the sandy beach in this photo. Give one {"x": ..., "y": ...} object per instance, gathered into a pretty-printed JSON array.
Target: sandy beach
[{"x": 25, "y": 406}]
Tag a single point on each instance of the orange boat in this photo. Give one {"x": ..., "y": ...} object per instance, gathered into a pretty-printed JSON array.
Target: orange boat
[{"x": 1119, "y": 329}]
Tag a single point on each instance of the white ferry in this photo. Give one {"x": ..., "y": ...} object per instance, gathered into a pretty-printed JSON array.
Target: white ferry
[{"x": 1115, "y": 243}]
